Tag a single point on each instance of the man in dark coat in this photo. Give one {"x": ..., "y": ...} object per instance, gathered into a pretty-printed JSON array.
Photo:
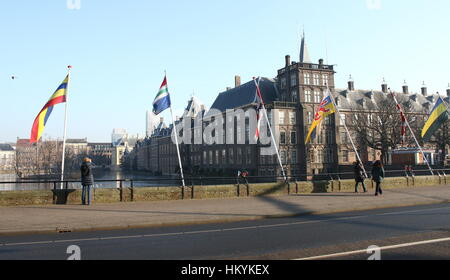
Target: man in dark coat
[
  {"x": 378, "y": 176},
  {"x": 359, "y": 176},
  {"x": 87, "y": 180}
]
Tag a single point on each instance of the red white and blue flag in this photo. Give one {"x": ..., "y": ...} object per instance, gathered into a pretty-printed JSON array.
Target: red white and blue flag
[{"x": 259, "y": 110}]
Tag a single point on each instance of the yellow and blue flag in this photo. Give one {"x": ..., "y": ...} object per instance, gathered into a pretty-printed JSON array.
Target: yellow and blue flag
[
  {"x": 438, "y": 116},
  {"x": 325, "y": 109}
]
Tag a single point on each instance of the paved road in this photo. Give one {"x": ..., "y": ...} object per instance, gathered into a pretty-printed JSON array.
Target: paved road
[{"x": 286, "y": 238}]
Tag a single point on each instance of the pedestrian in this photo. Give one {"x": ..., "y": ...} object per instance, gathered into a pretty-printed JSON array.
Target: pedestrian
[
  {"x": 359, "y": 176},
  {"x": 87, "y": 180},
  {"x": 378, "y": 176}
]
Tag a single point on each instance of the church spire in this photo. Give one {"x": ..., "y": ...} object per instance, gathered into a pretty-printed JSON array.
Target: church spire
[{"x": 304, "y": 54}]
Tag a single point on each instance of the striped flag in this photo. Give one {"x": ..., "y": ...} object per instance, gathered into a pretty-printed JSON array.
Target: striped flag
[
  {"x": 402, "y": 116},
  {"x": 438, "y": 116},
  {"x": 162, "y": 99},
  {"x": 259, "y": 110},
  {"x": 325, "y": 109},
  {"x": 60, "y": 96}
]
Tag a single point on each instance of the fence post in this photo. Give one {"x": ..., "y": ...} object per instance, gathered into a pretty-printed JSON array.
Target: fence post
[
  {"x": 54, "y": 192},
  {"x": 121, "y": 191},
  {"x": 132, "y": 190},
  {"x": 192, "y": 192}
]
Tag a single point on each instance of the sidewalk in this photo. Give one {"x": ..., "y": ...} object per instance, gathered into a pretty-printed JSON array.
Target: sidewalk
[{"x": 54, "y": 218}]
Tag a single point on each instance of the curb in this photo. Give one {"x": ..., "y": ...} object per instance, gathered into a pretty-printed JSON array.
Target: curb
[{"x": 210, "y": 221}]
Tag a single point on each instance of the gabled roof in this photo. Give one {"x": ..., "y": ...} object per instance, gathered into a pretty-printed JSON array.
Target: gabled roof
[
  {"x": 194, "y": 107},
  {"x": 245, "y": 95},
  {"x": 368, "y": 99}
]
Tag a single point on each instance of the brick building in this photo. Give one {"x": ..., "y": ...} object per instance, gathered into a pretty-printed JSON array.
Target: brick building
[{"x": 291, "y": 100}]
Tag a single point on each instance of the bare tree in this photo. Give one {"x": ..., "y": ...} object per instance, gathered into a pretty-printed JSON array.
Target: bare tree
[{"x": 380, "y": 128}]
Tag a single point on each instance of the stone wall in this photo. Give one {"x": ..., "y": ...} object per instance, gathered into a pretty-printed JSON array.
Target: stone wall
[{"x": 42, "y": 197}]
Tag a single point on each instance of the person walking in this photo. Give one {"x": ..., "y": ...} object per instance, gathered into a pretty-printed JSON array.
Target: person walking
[
  {"x": 378, "y": 176},
  {"x": 359, "y": 176},
  {"x": 87, "y": 180}
]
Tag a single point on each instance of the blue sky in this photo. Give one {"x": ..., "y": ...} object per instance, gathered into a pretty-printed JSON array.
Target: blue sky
[{"x": 120, "y": 49}]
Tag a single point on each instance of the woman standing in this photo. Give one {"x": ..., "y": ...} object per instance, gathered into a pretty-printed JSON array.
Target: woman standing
[
  {"x": 359, "y": 176},
  {"x": 87, "y": 180},
  {"x": 378, "y": 176}
]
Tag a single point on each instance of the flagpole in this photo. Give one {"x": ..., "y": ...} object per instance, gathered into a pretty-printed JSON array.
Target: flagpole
[
  {"x": 270, "y": 128},
  {"x": 176, "y": 138},
  {"x": 348, "y": 132},
  {"x": 65, "y": 126},
  {"x": 412, "y": 132}
]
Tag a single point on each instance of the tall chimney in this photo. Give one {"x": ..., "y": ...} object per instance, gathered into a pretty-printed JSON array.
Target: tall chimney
[
  {"x": 384, "y": 87},
  {"x": 237, "y": 81},
  {"x": 448, "y": 90},
  {"x": 321, "y": 62},
  {"x": 405, "y": 88},
  {"x": 288, "y": 60},
  {"x": 351, "y": 84},
  {"x": 424, "y": 90}
]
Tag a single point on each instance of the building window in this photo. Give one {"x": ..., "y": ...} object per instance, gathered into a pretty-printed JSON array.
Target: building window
[
  {"x": 343, "y": 122},
  {"x": 330, "y": 139},
  {"x": 239, "y": 156},
  {"x": 224, "y": 156},
  {"x": 310, "y": 117},
  {"x": 293, "y": 137},
  {"x": 344, "y": 139},
  {"x": 217, "y": 156},
  {"x": 282, "y": 137},
  {"x": 325, "y": 80},
  {"x": 231, "y": 156},
  {"x": 283, "y": 83},
  {"x": 210, "y": 157},
  {"x": 281, "y": 117},
  {"x": 308, "y": 98},
  {"x": 294, "y": 95},
  {"x": 283, "y": 157},
  {"x": 294, "y": 157},
  {"x": 293, "y": 79},
  {"x": 249, "y": 155},
  {"x": 320, "y": 156},
  {"x": 292, "y": 118},
  {"x": 307, "y": 78},
  {"x": 316, "y": 80},
  {"x": 317, "y": 96},
  {"x": 345, "y": 156}
]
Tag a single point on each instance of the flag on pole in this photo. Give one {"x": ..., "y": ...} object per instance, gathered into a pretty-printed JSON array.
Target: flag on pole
[
  {"x": 402, "y": 116},
  {"x": 438, "y": 116},
  {"x": 259, "y": 111},
  {"x": 59, "y": 96},
  {"x": 162, "y": 99},
  {"x": 325, "y": 109}
]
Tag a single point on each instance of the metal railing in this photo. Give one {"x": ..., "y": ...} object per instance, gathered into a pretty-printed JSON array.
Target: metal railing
[{"x": 192, "y": 181}]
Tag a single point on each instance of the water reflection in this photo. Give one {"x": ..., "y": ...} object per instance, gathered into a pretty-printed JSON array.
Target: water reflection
[{"x": 99, "y": 174}]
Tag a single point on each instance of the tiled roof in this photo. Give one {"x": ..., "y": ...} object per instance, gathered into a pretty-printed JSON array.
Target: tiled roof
[
  {"x": 245, "y": 95},
  {"x": 367, "y": 100}
]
